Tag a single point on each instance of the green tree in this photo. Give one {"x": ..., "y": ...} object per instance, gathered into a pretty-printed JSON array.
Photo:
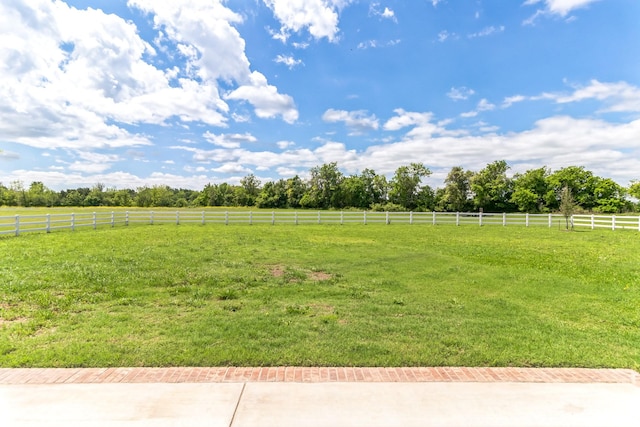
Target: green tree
[
  {"x": 580, "y": 182},
  {"x": 530, "y": 190},
  {"x": 296, "y": 189},
  {"x": 273, "y": 195},
  {"x": 405, "y": 186},
  {"x": 456, "y": 195},
  {"x": 248, "y": 191},
  {"x": 324, "y": 185},
  {"x": 492, "y": 189},
  {"x": 609, "y": 196}
]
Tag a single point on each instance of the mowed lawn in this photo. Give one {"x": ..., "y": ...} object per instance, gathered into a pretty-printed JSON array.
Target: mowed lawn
[{"x": 324, "y": 295}]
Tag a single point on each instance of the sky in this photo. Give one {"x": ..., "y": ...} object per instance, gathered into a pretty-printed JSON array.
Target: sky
[{"x": 132, "y": 93}]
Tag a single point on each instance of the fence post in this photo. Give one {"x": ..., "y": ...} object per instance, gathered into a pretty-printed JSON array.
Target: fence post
[
  {"x": 504, "y": 219},
  {"x": 151, "y": 217},
  {"x": 17, "y": 225},
  {"x": 126, "y": 218},
  {"x": 550, "y": 220},
  {"x": 613, "y": 222},
  {"x": 526, "y": 219},
  {"x": 593, "y": 221},
  {"x": 177, "y": 217},
  {"x": 341, "y": 217},
  {"x": 410, "y": 218},
  {"x": 480, "y": 218},
  {"x": 250, "y": 218},
  {"x": 94, "y": 221},
  {"x": 365, "y": 218},
  {"x": 202, "y": 217},
  {"x": 295, "y": 217},
  {"x": 386, "y": 218},
  {"x": 226, "y": 218},
  {"x": 318, "y": 217},
  {"x": 457, "y": 218},
  {"x": 113, "y": 219},
  {"x": 48, "y": 223},
  {"x": 434, "y": 217},
  {"x": 273, "y": 218}
]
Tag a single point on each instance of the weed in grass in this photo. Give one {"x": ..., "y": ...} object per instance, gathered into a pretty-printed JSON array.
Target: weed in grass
[
  {"x": 228, "y": 294},
  {"x": 297, "y": 309}
]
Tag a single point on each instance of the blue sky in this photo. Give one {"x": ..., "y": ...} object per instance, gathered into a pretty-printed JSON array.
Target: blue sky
[{"x": 153, "y": 92}]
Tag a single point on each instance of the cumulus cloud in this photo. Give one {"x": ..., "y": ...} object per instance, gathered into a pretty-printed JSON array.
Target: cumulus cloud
[
  {"x": 289, "y": 61},
  {"x": 319, "y": 17},
  {"x": 73, "y": 78},
  {"x": 386, "y": 13},
  {"x": 460, "y": 93},
  {"x": 266, "y": 100},
  {"x": 358, "y": 121},
  {"x": 231, "y": 140},
  {"x": 560, "y": 8},
  {"x": 615, "y": 96}
]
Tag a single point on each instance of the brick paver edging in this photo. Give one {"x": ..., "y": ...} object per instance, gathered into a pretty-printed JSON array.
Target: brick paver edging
[{"x": 311, "y": 375}]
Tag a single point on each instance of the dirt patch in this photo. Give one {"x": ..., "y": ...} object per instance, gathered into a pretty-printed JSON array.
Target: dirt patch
[
  {"x": 320, "y": 276},
  {"x": 4, "y": 322},
  {"x": 277, "y": 271}
]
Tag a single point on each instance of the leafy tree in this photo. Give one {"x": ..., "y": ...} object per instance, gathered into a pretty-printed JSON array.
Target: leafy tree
[
  {"x": 123, "y": 198},
  {"x": 530, "y": 189},
  {"x": 39, "y": 195},
  {"x": 248, "y": 191},
  {"x": 405, "y": 188},
  {"x": 19, "y": 193},
  {"x": 580, "y": 182},
  {"x": 324, "y": 185},
  {"x": 295, "y": 188},
  {"x": 455, "y": 197},
  {"x": 609, "y": 196},
  {"x": 492, "y": 188},
  {"x": 634, "y": 189},
  {"x": 273, "y": 195}
]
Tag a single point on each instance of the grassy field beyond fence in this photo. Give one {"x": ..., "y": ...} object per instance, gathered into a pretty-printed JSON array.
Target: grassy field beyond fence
[{"x": 353, "y": 295}]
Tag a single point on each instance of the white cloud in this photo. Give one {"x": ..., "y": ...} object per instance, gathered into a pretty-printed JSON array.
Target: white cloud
[
  {"x": 560, "y": 8},
  {"x": 357, "y": 121},
  {"x": 485, "y": 105},
  {"x": 460, "y": 93},
  {"x": 285, "y": 144},
  {"x": 266, "y": 100},
  {"x": 232, "y": 140},
  {"x": 510, "y": 100},
  {"x": 620, "y": 96},
  {"x": 8, "y": 155},
  {"x": 289, "y": 61},
  {"x": 386, "y": 13},
  {"x": 487, "y": 32},
  {"x": 319, "y": 17},
  {"x": 615, "y": 96},
  {"x": 375, "y": 44},
  {"x": 232, "y": 168}
]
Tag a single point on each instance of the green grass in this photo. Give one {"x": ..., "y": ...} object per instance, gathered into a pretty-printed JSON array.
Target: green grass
[{"x": 326, "y": 295}]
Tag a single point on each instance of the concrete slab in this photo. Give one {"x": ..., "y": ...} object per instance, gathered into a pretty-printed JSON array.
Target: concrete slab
[
  {"x": 438, "y": 404},
  {"x": 130, "y": 405}
]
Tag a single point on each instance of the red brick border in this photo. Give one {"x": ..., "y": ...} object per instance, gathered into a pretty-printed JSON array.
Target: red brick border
[{"x": 313, "y": 375}]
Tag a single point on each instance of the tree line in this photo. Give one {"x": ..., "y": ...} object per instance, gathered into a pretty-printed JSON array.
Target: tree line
[{"x": 490, "y": 190}]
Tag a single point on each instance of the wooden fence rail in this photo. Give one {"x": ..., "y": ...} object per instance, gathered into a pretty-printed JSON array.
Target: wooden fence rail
[{"x": 19, "y": 224}]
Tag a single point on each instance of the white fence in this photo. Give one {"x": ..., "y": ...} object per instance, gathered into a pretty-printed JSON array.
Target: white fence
[
  {"x": 612, "y": 222},
  {"x": 71, "y": 221}
]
